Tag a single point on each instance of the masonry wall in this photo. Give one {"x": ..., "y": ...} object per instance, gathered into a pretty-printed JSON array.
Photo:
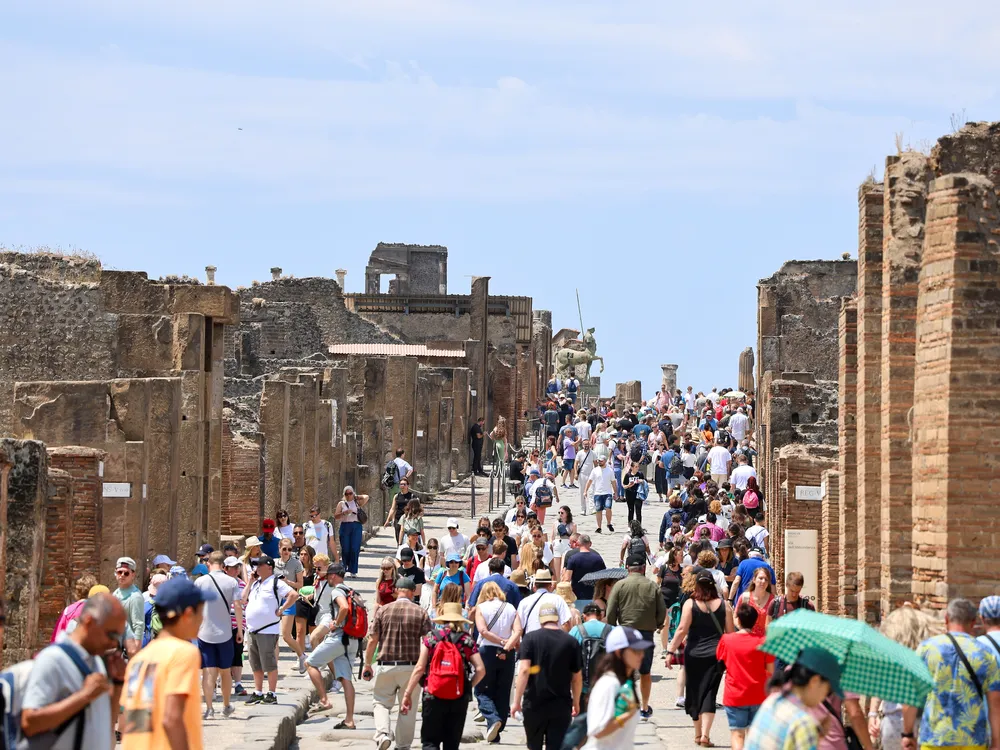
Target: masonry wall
[
  {"x": 830, "y": 540},
  {"x": 847, "y": 475}
]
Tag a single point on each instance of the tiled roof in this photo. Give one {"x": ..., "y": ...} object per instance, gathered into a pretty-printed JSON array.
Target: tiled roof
[{"x": 399, "y": 350}]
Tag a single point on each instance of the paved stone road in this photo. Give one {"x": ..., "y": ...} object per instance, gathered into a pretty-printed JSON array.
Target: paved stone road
[{"x": 669, "y": 726}]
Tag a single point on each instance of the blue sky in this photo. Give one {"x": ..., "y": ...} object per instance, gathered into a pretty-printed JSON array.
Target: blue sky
[{"x": 659, "y": 157}]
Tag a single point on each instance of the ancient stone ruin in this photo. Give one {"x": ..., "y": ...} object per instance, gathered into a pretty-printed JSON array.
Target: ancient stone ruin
[{"x": 900, "y": 435}]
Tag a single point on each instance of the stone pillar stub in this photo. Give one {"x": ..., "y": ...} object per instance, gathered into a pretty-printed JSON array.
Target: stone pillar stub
[
  {"x": 669, "y": 383},
  {"x": 627, "y": 394}
]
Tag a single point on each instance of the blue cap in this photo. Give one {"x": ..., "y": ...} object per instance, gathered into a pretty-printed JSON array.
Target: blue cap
[
  {"x": 178, "y": 571},
  {"x": 163, "y": 560},
  {"x": 177, "y": 594},
  {"x": 989, "y": 608},
  {"x": 534, "y": 472},
  {"x": 199, "y": 570},
  {"x": 453, "y": 557}
]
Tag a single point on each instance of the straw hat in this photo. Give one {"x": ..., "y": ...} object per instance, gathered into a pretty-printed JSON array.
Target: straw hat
[
  {"x": 251, "y": 541},
  {"x": 565, "y": 590},
  {"x": 451, "y": 612}
]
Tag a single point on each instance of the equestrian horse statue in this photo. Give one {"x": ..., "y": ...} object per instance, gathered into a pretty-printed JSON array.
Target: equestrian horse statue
[{"x": 567, "y": 360}]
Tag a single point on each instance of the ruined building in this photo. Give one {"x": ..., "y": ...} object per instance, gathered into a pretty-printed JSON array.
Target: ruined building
[
  {"x": 142, "y": 417},
  {"x": 906, "y": 509}
]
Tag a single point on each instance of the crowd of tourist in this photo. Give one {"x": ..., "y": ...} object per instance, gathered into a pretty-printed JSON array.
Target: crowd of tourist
[{"x": 524, "y": 616}]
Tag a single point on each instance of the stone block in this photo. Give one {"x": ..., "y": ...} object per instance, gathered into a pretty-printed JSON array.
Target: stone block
[
  {"x": 189, "y": 342},
  {"x": 131, "y": 293},
  {"x": 146, "y": 344},
  {"x": 216, "y": 302},
  {"x": 62, "y": 413}
]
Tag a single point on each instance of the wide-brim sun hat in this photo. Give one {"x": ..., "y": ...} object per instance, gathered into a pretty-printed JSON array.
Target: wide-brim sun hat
[
  {"x": 451, "y": 612},
  {"x": 251, "y": 541}
]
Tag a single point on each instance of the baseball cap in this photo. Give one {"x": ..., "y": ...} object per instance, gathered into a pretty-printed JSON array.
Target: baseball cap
[
  {"x": 548, "y": 613},
  {"x": 199, "y": 570},
  {"x": 452, "y": 523},
  {"x": 534, "y": 473},
  {"x": 622, "y": 636},
  {"x": 406, "y": 554},
  {"x": 267, "y": 524},
  {"x": 205, "y": 550},
  {"x": 405, "y": 582},
  {"x": 263, "y": 560},
  {"x": 823, "y": 663},
  {"x": 231, "y": 561},
  {"x": 175, "y": 595},
  {"x": 635, "y": 559},
  {"x": 337, "y": 569},
  {"x": 482, "y": 542},
  {"x": 453, "y": 557},
  {"x": 125, "y": 562},
  {"x": 160, "y": 560},
  {"x": 178, "y": 571}
]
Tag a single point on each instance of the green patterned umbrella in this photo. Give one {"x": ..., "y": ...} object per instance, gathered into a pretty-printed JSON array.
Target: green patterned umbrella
[{"x": 872, "y": 664}]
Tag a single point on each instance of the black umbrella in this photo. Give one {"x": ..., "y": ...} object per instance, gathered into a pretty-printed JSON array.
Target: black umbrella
[{"x": 608, "y": 574}]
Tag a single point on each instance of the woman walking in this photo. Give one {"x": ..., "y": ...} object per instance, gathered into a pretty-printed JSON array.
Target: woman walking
[
  {"x": 613, "y": 706},
  {"x": 288, "y": 567},
  {"x": 495, "y": 619},
  {"x": 759, "y": 596},
  {"x": 747, "y": 673},
  {"x": 635, "y": 485},
  {"x": 350, "y": 535},
  {"x": 305, "y": 611},
  {"x": 704, "y": 619}
]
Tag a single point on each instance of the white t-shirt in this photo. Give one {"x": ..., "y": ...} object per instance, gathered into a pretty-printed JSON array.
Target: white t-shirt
[
  {"x": 583, "y": 429},
  {"x": 261, "y": 605},
  {"x": 601, "y": 710},
  {"x": 741, "y": 474},
  {"x": 449, "y": 544},
  {"x": 689, "y": 459},
  {"x": 483, "y": 571},
  {"x": 738, "y": 424},
  {"x": 285, "y": 532},
  {"x": 758, "y": 534},
  {"x": 585, "y": 462},
  {"x": 602, "y": 481},
  {"x": 530, "y": 623},
  {"x": 322, "y": 533},
  {"x": 509, "y": 518},
  {"x": 504, "y": 624},
  {"x": 720, "y": 459},
  {"x": 217, "y": 625},
  {"x": 689, "y": 400}
]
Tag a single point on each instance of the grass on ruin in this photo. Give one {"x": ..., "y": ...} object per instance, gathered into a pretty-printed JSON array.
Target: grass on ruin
[{"x": 70, "y": 253}]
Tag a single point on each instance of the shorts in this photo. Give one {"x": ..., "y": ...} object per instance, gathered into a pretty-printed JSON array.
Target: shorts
[
  {"x": 740, "y": 717},
  {"x": 261, "y": 650},
  {"x": 237, "y": 652},
  {"x": 216, "y": 655},
  {"x": 602, "y": 502},
  {"x": 331, "y": 650},
  {"x": 647, "y": 657},
  {"x": 568, "y": 464}
]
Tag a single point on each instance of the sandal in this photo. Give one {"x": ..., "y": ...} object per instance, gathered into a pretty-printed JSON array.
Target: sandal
[
  {"x": 342, "y": 724},
  {"x": 319, "y": 708},
  {"x": 706, "y": 742}
]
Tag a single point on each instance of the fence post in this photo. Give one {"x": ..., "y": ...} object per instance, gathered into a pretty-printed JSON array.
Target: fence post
[{"x": 472, "y": 485}]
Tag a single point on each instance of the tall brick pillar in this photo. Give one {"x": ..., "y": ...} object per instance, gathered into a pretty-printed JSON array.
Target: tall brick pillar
[
  {"x": 479, "y": 330},
  {"x": 847, "y": 414},
  {"x": 870, "y": 204},
  {"x": 830, "y": 537},
  {"x": 956, "y": 434},
  {"x": 907, "y": 178}
]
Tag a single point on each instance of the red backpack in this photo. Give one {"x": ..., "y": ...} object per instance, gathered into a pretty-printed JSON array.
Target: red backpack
[
  {"x": 446, "y": 676},
  {"x": 356, "y": 624}
]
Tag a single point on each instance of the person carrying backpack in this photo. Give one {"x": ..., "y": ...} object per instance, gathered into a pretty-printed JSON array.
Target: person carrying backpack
[
  {"x": 66, "y": 699},
  {"x": 341, "y": 616},
  {"x": 592, "y": 635},
  {"x": 448, "y": 669}
]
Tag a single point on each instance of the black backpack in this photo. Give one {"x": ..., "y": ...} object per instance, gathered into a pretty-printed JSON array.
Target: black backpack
[
  {"x": 636, "y": 546},
  {"x": 389, "y": 476},
  {"x": 592, "y": 647},
  {"x": 676, "y": 465}
]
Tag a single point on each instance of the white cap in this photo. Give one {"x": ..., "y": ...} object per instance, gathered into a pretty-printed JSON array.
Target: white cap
[
  {"x": 452, "y": 523},
  {"x": 624, "y": 637},
  {"x": 231, "y": 561},
  {"x": 126, "y": 562}
]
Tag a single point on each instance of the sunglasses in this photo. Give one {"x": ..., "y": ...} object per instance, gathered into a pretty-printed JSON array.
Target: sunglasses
[
  {"x": 296, "y": 533},
  {"x": 282, "y": 515},
  {"x": 431, "y": 547}
]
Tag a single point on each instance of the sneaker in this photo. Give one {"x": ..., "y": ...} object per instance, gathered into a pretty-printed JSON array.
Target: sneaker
[
  {"x": 611, "y": 528},
  {"x": 647, "y": 713},
  {"x": 255, "y": 698},
  {"x": 208, "y": 714},
  {"x": 336, "y": 687},
  {"x": 565, "y": 486},
  {"x": 479, "y": 718},
  {"x": 302, "y": 664},
  {"x": 270, "y": 699},
  {"x": 598, "y": 530},
  {"x": 574, "y": 487},
  {"x": 239, "y": 689},
  {"x": 228, "y": 711},
  {"x": 385, "y": 744},
  {"x": 493, "y": 731},
  {"x": 679, "y": 702}
]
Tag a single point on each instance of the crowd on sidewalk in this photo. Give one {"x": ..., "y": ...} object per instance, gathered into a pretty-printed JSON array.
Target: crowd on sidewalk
[{"x": 524, "y": 616}]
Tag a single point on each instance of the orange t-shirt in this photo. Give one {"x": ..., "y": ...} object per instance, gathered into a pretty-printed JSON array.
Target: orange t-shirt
[{"x": 167, "y": 666}]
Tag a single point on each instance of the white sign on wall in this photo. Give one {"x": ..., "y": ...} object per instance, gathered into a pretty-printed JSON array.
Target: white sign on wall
[
  {"x": 420, "y": 433},
  {"x": 808, "y": 492},
  {"x": 116, "y": 489},
  {"x": 802, "y": 556}
]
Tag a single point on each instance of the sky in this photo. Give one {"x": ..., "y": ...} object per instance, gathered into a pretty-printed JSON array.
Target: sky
[{"x": 658, "y": 157}]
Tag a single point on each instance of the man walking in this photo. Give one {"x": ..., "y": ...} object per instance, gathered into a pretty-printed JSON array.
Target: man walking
[
  {"x": 396, "y": 632},
  {"x": 264, "y": 600},
  {"x": 584, "y": 467},
  {"x": 585, "y": 561},
  {"x": 68, "y": 690},
  {"x": 476, "y": 433},
  {"x": 742, "y": 472},
  {"x": 602, "y": 479},
  {"x": 216, "y": 641},
  {"x": 549, "y": 681},
  {"x": 966, "y": 686},
  {"x": 329, "y": 644},
  {"x": 636, "y": 601},
  {"x": 720, "y": 459},
  {"x": 323, "y": 531},
  {"x": 131, "y": 599},
  {"x": 527, "y": 610}
]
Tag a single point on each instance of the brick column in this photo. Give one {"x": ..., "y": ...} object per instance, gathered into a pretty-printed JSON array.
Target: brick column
[
  {"x": 847, "y": 478},
  {"x": 955, "y": 437},
  {"x": 829, "y": 578},
  {"x": 907, "y": 177},
  {"x": 869, "y": 431}
]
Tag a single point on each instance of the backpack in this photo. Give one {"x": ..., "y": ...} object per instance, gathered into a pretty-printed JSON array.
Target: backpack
[
  {"x": 636, "y": 546},
  {"x": 751, "y": 500},
  {"x": 543, "y": 495},
  {"x": 592, "y": 646},
  {"x": 356, "y": 624},
  {"x": 446, "y": 674},
  {"x": 389, "y": 476},
  {"x": 571, "y": 385},
  {"x": 636, "y": 452},
  {"x": 676, "y": 465},
  {"x": 13, "y": 684},
  {"x": 754, "y": 544},
  {"x": 673, "y": 619},
  {"x": 147, "y": 622}
]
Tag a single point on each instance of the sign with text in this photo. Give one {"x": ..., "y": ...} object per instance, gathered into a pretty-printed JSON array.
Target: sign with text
[
  {"x": 802, "y": 556},
  {"x": 116, "y": 489},
  {"x": 808, "y": 492}
]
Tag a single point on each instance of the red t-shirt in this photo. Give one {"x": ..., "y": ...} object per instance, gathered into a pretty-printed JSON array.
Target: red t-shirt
[
  {"x": 474, "y": 562},
  {"x": 746, "y": 669}
]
